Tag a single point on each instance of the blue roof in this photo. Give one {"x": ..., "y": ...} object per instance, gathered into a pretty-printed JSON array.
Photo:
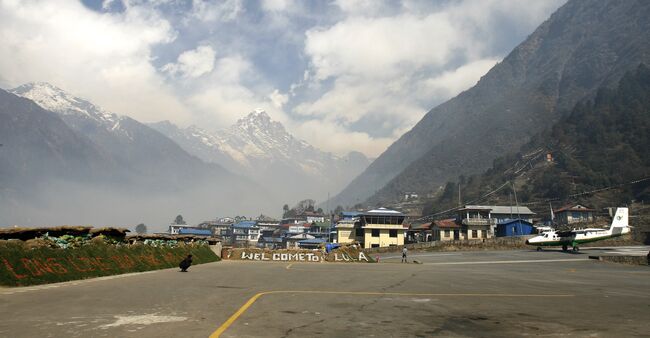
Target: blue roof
[
  {"x": 245, "y": 224},
  {"x": 270, "y": 239},
  {"x": 509, "y": 221},
  {"x": 200, "y": 232},
  {"x": 350, "y": 214},
  {"x": 312, "y": 241}
]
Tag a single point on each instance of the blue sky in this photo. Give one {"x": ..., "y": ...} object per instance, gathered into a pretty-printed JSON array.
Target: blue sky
[{"x": 343, "y": 75}]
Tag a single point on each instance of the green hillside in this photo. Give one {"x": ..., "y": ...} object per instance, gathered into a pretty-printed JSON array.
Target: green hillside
[{"x": 604, "y": 142}]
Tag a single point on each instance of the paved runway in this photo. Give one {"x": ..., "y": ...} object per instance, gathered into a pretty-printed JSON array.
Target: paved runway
[{"x": 459, "y": 294}]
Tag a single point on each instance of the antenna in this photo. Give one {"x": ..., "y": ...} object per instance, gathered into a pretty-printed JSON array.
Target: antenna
[{"x": 516, "y": 202}]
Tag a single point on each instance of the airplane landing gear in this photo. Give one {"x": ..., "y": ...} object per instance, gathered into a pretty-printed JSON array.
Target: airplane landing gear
[
  {"x": 576, "y": 249},
  {"x": 565, "y": 248},
  {"x": 539, "y": 248}
]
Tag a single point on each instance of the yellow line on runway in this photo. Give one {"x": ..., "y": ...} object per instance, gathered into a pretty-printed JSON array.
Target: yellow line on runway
[{"x": 236, "y": 315}]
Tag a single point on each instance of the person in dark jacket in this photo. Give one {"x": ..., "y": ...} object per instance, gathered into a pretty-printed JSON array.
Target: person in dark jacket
[{"x": 185, "y": 263}]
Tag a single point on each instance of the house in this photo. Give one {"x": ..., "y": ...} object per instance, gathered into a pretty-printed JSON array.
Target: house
[
  {"x": 381, "y": 228},
  {"x": 348, "y": 231},
  {"x": 446, "y": 230},
  {"x": 573, "y": 214},
  {"x": 174, "y": 229},
  {"x": 419, "y": 233},
  {"x": 270, "y": 242},
  {"x": 312, "y": 243},
  {"x": 320, "y": 229},
  {"x": 291, "y": 242},
  {"x": 479, "y": 221},
  {"x": 311, "y": 217},
  {"x": 218, "y": 228},
  {"x": 245, "y": 233},
  {"x": 195, "y": 231},
  {"x": 514, "y": 227}
]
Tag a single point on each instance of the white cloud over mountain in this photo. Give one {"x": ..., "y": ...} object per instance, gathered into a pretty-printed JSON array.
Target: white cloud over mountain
[{"x": 345, "y": 75}]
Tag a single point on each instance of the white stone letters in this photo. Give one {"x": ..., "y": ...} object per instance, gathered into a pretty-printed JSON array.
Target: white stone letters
[{"x": 301, "y": 257}]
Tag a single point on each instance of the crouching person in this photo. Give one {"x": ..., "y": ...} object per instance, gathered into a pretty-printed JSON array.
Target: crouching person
[{"x": 185, "y": 263}]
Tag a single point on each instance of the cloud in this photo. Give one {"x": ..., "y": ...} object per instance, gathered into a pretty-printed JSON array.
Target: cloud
[
  {"x": 331, "y": 137},
  {"x": 395, "y": 61},
  {"x": 278, "y": 99},
  {"x": 193, "y": 63},
  {"x": 212, "y": 11},
  {"x": 347, "y": 75},
  {"x": 97, "y": 56},
  {"x": 277, "y": 5},
  {"x": 222, "y": 97},
  {"x": 452, "y": 82},
  {"x": 381, "y": 48}
]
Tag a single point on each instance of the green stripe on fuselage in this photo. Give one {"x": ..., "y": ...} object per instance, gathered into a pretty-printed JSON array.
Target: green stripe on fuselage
[{"x": 574, "y": 242}]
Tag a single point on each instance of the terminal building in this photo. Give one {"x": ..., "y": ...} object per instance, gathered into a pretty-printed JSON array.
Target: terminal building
[{"x": 375, "y": 228}]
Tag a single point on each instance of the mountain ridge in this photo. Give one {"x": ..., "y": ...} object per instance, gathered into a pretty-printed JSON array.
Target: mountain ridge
[
  {"x": 265, "y": 151},
  {"x": 579, "y": 48}
]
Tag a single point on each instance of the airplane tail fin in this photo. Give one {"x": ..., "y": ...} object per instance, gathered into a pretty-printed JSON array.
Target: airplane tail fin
[{"x": 620, "y": 220}]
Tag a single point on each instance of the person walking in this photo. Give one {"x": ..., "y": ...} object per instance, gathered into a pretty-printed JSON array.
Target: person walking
[
  {"x": 185, "y": 263},
  {"x": 404, "y": 251}
]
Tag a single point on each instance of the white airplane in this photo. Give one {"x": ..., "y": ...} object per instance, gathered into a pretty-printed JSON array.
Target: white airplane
[{"x": 574, "y": 237}]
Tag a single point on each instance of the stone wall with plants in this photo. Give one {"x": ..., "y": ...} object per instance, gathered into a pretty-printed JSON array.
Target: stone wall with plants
[{"x": 50, "y": 259}]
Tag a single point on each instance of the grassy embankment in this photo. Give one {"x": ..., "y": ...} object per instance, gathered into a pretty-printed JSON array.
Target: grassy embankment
[{"x": 20, "y": 265}]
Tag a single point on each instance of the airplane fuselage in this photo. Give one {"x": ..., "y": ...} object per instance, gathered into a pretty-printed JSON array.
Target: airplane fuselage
[{"x": 575, "y": 237}]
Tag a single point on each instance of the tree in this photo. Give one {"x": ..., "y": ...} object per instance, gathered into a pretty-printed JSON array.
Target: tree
[
  {"x": 141, "y": 228},
  {"x": 285, "y": 210},
  {"x": 179, "y": 220},
  {"x": 320, "y": 211}
]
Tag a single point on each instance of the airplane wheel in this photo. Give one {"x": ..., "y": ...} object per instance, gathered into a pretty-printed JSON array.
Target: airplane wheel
[
  {"x": 564, "y": 248},
  {"x": 576, "y": 249},
  {"x": 539, "y": 248}
]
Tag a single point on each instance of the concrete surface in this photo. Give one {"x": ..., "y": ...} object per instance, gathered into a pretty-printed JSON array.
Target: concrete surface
[{"x": 458, "y": 294}]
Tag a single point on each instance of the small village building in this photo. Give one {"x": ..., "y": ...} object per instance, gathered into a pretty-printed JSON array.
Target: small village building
[
  {"x": 175, "y": 229},
  {"x": 419, "y": 233},
  {"x": 446, "y": 230},
  {"x": 268, "y": 242},
  {"x": 315, "y": 243},
  {"x": 245, "y": 233},
  {"x": 514, "y": 227},
  {"x": 311, "y": 217},
  {"x": 349, "y": 231},
  {"x": 291, "y": 242},
  {"x": 382, "y": 227},
  {"x": 573, "y": 214},
  {"x": 320, "y": 229},
  {"x": 194, "y": 231},
  {"x": 479, "y": 221}
]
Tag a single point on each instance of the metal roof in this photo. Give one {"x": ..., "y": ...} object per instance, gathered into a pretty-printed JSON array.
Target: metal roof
[
  {"x": 245, "y": 224},
  {"x": 201, "y": 232},
  {"x": 500, "y": 209},
  {"x": 312, "y": 241},
  {"x": 383, "y": 212},
  {"x": 510, "y": 221}
]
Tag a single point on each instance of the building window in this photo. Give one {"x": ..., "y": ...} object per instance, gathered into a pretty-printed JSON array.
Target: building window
[
  {"x": 374, "y": 245},
  {"x": 447, "y": 233},
  {"x": 392, "y": 233},
  {"x": 474, "y": 234},
  {"x": 358, "y": 232},
  {"x": 375, "y": 232},
  {"x": 484, "y": 233}
]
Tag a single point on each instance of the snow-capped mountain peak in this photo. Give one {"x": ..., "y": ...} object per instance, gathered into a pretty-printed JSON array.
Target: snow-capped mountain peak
[{"x": 67, "y": 105}]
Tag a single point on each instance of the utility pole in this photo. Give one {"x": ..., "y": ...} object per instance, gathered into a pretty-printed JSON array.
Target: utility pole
[{"x": 460, "y": 203}]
